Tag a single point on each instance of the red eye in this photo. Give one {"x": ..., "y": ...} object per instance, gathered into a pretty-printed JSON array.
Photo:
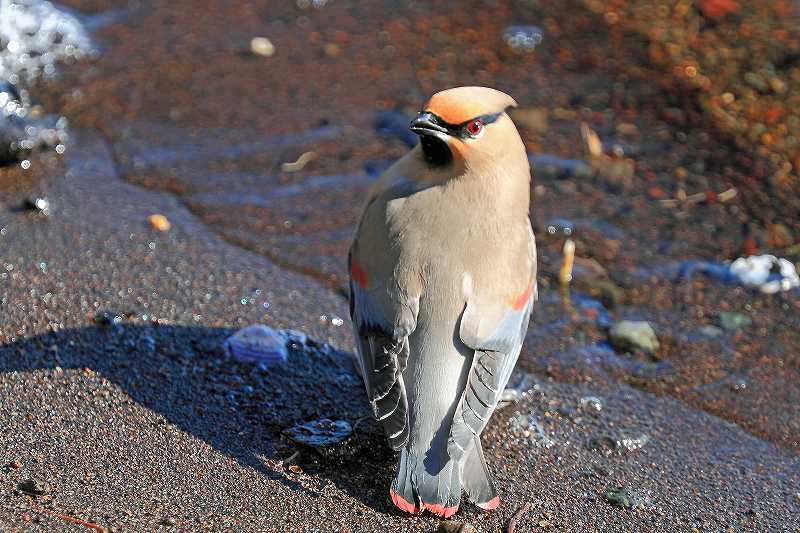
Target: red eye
[{"x": 475, "y": 127}]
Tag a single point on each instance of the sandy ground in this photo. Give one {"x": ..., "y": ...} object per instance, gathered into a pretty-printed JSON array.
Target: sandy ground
[{"x": 146, "y": 425}]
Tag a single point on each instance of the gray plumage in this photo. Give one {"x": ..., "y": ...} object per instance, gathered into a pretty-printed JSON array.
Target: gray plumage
[{"x": 443, "y": 279}]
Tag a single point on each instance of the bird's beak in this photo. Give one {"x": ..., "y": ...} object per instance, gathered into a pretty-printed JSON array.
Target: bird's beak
[{"x": 427, "y": 124}]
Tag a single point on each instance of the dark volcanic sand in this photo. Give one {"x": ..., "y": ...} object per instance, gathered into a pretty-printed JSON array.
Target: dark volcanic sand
[{"x": 146, "y": 425}]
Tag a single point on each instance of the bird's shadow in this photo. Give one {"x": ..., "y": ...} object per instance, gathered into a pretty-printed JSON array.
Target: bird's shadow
[{"x": 240, "y": 409}]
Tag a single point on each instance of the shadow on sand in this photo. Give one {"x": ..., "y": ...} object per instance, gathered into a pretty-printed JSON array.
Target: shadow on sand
[{"x": 239, "y": 409}]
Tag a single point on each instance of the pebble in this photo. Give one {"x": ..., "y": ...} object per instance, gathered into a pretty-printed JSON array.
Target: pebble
[
  {"x": 523, "y": 39},
  {"x": 767, "y": 273},
  {"x": 258, "y": 344},
  {"x": 159, "y": 222},
  {"x": 321, "y": 433},
  {"x": 591, "y": 403},
  {"x": 332, "y": 50},
  {"x": 710, "y": 331},
  {"x": 621, "y": 497},
  {"x": 454, "y": 526},
  {"x": 39, "y": 205},
  {"x": 634, "y": 336},
  {"x": 35, "y": 487},
  {"x": 732, "y": 321},
  {"x": 262, "y": 46}
]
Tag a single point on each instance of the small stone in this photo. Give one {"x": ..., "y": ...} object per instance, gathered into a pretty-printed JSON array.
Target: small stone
[
  {"x": 14, "y": 465},
  {"x": 544, "y": 524},
  {"x": 262, "y": 46},
  {"x": 710, "y": 331},
  {"x": 258, "y": 344},
  {"x": 621, "y": 497},
  {"x": 39, "y": 205},
  {"x": 634, "y": 336},
  {"x": 321, "y": 433},
  {"x": 777, "y": 85},
  {"x": 756, "y": 81},
  {"x": 591, "y": 403},
  {"x": 522, "y": 39},
  {"x": 332, "y": 50},
  {"x": 159, "y": 222},
  {"x": 732, "y": 321},
  {"x": 167, "y": 521},
  {"x": 454, "y": 526},
  {"x": 295, "y": 469},
  {"x": 35, "y": 487}
]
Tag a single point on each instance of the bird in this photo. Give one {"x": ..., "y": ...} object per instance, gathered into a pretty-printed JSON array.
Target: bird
[{"x": 442, "y": 275}]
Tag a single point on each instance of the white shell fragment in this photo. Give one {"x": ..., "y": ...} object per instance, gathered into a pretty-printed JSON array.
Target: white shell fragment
[
  {"x": 258, "y": 344},
  {"x": 767, "y": 273}
]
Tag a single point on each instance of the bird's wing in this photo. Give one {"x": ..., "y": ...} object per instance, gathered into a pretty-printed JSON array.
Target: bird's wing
[
  {"x": 495, "y": 330},
  {"x": 383, "y": 310}
]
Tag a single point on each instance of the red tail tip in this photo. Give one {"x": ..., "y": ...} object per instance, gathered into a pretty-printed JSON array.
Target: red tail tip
[
  {"x": 441, "y": 510},
  {"x": 438, "y": 510},
  {"x": 491, "y": 504},
  {"x": 402, "y": 504}
]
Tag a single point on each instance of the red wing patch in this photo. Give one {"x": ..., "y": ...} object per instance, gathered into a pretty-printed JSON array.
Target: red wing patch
[
  {"x": 358, "y": 275},
  {"x": 521, "y": 300}
]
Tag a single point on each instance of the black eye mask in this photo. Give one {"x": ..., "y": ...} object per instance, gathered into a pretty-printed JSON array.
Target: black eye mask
[{"x": 460, "y": 130}]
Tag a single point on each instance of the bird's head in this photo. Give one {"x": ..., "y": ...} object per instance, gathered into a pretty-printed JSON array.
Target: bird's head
[{"x": 467, "y": 125}]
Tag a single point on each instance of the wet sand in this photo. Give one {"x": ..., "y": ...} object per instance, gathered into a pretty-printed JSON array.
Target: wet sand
[{"x": 147, "y": 425}]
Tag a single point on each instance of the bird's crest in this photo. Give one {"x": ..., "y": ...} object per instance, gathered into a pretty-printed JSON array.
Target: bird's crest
[{"x": 460, "y": 104}]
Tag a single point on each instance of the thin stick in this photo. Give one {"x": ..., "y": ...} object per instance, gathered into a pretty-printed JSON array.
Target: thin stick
[
  {"x": 71, "y": 519},
  {"x": 512, "y": 524}
]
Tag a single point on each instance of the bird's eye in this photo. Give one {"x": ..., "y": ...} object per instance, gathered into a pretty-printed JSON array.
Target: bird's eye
[{"x": 475, "y": 127}]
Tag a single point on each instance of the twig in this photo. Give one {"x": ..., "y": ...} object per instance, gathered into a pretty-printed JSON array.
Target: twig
[
  {"x": 567, "y": 262},
  {"x": 512, "y": 524},
  {"x": 295, "y": 166},
  {"x": 71, "y": 519},
  {"x": 696, "y": 198},
  {"x": 591, "y": 141}
]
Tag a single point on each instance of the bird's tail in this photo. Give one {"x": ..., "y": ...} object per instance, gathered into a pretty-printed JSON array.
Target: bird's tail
[
  {"x": 477, "y": 480},
  {"x": 415, "y": 490}
]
